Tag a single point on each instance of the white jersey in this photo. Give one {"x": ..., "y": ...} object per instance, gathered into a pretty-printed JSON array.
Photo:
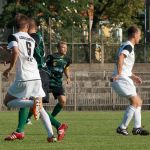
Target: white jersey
[
  {"x": 128, "y": 49},
  {"x": 26, "y": 65}
]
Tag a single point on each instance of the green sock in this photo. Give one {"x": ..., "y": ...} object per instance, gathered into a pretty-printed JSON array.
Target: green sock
[
  {"x": 54, "y": 122},
  {"x": 23, "y": 114},
  {"x": 56, "y": 110},
  {"x": 30, "y": 115}
]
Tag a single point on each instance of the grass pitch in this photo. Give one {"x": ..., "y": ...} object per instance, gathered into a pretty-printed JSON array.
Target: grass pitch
[{"x": 87, "y": 131}]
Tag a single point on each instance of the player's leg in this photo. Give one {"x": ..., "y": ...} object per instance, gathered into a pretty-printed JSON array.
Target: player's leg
[
  {"x": 61, "y": 128},
  {"x": 59, "y": 93},
  {"x": 8, "y": 98},
  {"x": 125, "y": 88},
  {"x": 23, "y": 113},
  {"x": 19, "y": 134},
  {"x": 46, "y": 121},
  {"x": 15, "y": 102},
  {"x": 128, "y": 115},
  {"x": 59, "y": 105},
  {"x": 16, "y": 94},
  {"x": 45, "y": 85},
  {"x": 54, "y": 122},
  {"x": 28, "y": 120},
  {"x": 19, "y": 89},
  {"x": 137, "y": 118},
  {"x": 45, "y": 99}
]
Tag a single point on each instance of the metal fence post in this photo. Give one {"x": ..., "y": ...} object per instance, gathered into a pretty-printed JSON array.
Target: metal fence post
[
  {"x": 75, "y": 94},
  {"x": 50, "y": 36},
  {"x": 72, "y": 47},
  {"x": 113, "y": 100},
  {"x": 90, "y": 44},
  {"x": 0, "y": 91}
]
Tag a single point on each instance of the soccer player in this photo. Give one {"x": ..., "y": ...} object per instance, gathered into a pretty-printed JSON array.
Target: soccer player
[
  {"x": 39, "y": 55},
  {"x": 123, "y": 81},
  {"x": 58, "y": 64},
  {"x": 27, "y": 82}
]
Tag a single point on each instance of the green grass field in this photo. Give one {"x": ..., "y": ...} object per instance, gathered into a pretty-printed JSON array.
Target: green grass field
[{"x": 87, "y": 131}]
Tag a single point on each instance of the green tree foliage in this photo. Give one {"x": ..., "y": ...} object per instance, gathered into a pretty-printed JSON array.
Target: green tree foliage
[
  {"x": 63, "y": 12},
  {"x": 118, "y": 11},
  {"x": 68, "y": 12}
]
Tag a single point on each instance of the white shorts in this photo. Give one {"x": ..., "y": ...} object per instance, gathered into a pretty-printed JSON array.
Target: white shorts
[
  {"x": 26, "y": 89},
  {"x": 124, "y": 86}
]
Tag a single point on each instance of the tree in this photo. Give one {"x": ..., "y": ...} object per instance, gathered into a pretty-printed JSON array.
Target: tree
[
  {"x": 66, "y": 13},
  {"x": 118, "y": 11},
  {"x": 70, "y": 12}
]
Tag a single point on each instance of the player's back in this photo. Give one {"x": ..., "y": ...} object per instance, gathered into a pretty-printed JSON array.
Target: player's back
[{"x": 26, "y": 65}]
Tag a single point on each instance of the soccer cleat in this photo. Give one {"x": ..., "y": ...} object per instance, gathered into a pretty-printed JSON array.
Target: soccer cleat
[
  {"x": 15, "y": 135},
  {"x": 122, "y": 131},
  {"x": 61, "y": 131},
  {"x": 29, "y": 122},
  {"x": 52, "y": 139},
  {"x": 140, "y": 131},
  {"x": 37, "y": 107}
]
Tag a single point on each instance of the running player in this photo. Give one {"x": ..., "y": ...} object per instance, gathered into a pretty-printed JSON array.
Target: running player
[
  {"x": 39, "y": 55},
  {"x": 58, "y": 64},
  {"x": 28, "y": 81}
]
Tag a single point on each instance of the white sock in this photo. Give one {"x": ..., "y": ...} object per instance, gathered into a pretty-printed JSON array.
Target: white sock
[
  {"x": 127, "y": 116},
  {"x": 46, "y": 121},
  {"x": 137, "y": 118},
  {"x": 20, "y": 103}
]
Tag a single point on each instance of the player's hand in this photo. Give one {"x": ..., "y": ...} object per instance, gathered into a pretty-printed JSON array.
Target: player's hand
[
  {"x": 68, "y": 81},
  {"x": 116, "y": 78},
  {"x": 6, "y": 73},
  {"x": 137, "y": 79}
]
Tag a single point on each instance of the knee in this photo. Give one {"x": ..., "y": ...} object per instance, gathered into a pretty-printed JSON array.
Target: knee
[
  {"x": 62, "y": 102},
  {"x": 136, "y": 102}
]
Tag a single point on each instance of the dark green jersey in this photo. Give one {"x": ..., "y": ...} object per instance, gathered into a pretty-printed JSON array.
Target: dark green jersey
[
  {"x": 39, "y": 53},
  {"x": 56, "y": 65}
]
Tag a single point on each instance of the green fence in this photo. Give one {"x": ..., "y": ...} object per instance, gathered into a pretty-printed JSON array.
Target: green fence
[{"x": 81, "y": 49}]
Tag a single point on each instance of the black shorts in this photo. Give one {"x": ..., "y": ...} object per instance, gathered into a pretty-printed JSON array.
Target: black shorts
[
  {"x": 45, "y": 84},
  {"x": 57, "y": 91}
]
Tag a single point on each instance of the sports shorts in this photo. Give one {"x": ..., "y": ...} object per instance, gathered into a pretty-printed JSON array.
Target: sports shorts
[
  {"x": 124, "y": 86},
  {"x": 45, "y": 84},
  {"x": 57, "y": 91},
  {"x": 26, "y": 89}
]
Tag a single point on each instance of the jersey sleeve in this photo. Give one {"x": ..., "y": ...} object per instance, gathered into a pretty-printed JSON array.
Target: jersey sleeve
[
  {"x": 36, "y": 38},
  {"x": 49, "y": 60},
  {"x": 127, "y": 50},
  {"x": 12, "y": 41}
]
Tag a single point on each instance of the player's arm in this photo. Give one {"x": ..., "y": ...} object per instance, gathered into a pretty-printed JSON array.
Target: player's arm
[
  {"x": 67, "y": 71},
  {"x": 136, "y": 79},
  {"x": 124, "y": 53},
  {"x": 67, "y": 74},
  {"x": 119, "y": 65},
  {"x": 49, "y": 60},
  {"x": 13, "y": 45}
]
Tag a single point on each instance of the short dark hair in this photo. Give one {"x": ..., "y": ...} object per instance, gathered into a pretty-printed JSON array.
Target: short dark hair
[
  {"x": 60, "y": 43},
  {"x": 32, "y": 23},
  {"x": 21, "y": 21},
  {"x": 132, "y": 30}
]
